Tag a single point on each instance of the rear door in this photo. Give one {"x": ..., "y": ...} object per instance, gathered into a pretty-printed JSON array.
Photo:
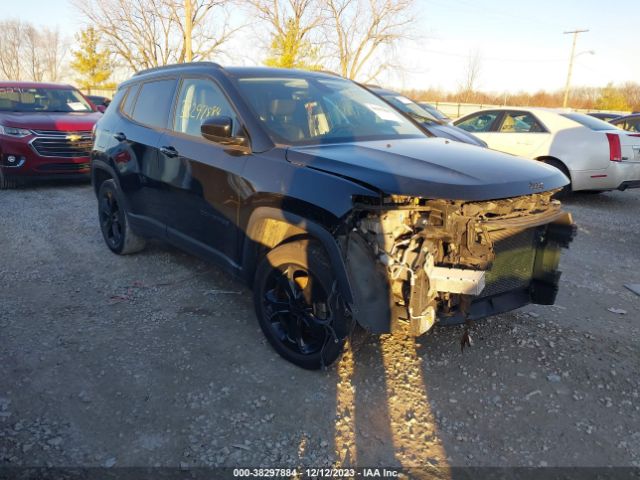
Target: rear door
[
  {"x": 201, "y": 179},
  {"x": 146, "y": 110},
  {"x": 519, "y": 133}
]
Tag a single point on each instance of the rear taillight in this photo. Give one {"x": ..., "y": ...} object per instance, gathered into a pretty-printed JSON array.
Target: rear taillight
[{"x": 615, "y": 150}]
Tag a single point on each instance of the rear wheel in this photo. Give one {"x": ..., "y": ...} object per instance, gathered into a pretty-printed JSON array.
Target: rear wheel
[
  {"x": 298, "y": 306},
  {"x": 566, "y": 190},
  {"x": 116, "y": 230}
]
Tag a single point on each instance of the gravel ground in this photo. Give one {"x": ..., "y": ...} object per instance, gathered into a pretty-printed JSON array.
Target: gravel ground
[{"x": 156, "y": 359}]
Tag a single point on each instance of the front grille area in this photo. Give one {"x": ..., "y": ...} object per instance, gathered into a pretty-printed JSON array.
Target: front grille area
[
  {"x": 513, "y": 266},
  {"x": 51, "y": 143},
  {"x": 67, "y": 167}
]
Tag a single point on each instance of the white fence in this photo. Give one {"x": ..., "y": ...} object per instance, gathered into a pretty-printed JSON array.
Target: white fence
[{"x": 457, "y": 110}]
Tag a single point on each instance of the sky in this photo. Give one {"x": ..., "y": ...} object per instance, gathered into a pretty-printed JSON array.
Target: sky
[{"x": 521, "y": 43}]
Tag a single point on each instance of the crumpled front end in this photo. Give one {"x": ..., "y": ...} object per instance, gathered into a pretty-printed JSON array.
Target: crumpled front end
[{"x": 423, "y": 261}]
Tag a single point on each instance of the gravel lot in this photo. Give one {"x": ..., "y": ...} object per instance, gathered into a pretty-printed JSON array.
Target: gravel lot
[{"x": 156, "y": 359}]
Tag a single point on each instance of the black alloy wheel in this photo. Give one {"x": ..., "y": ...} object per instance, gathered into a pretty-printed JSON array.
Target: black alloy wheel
[
  {"x": 114, "y": 224},
  {"x": 298, "y": 307}
]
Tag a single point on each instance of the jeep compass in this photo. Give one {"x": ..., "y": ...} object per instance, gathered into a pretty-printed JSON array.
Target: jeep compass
[{"x": 336, "y": 209}]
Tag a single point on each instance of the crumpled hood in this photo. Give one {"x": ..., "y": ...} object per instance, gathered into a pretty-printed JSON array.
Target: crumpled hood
[
  {"x": 431, "y": 168},
  {"x": 65, "y": 121}
]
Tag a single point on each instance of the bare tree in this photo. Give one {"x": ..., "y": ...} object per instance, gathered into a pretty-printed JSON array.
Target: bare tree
[
  {"x": 291, "y": 25},
  {"x": 11, "y": 37},
  {"x": 631, "y": 92},
  {"x": 150, "y": 33},
  {"x": 53, "y": 53},
  {"x": 471, "y": 76},
  {"x": 29, "y": 52},
  {"x": 358, "y": 32}
]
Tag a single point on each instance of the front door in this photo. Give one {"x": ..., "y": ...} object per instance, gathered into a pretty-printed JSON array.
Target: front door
[{"x": 201, "y": 180}]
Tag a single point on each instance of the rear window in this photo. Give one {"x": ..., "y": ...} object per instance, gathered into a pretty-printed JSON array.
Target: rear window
[
  {"x": 154, "y": 103},
  {"x": 119, "y": 96},
  {"x": 127, "y": 106},
  {"x": 588, "y": 121}
]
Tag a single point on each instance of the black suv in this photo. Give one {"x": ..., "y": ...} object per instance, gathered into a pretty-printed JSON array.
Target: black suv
[{"x": 335, "y": 208}]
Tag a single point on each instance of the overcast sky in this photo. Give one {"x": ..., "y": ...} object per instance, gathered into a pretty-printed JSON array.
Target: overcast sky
[{"x": 520, "y": 42}]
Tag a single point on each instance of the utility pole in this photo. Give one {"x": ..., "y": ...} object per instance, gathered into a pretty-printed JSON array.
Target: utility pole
[
  {"x": 188, "y": 25},
  {"x": 573, "y": 53}
]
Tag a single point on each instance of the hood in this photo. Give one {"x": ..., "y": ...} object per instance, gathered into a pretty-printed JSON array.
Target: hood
[
  {"x": 431, "y": 168},
  {"x": 65, "y": 121},
  {"x": 454, "y": 133}
]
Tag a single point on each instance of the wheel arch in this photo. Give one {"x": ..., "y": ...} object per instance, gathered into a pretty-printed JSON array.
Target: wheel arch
[
  {"x": 269, "y": 227},
  {"x": 550, "y": 159},
  {"x": 100, "y": 172}
]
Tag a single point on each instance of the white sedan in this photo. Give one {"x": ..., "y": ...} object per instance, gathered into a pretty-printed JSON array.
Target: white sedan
[{"x": 595, "y": 155}]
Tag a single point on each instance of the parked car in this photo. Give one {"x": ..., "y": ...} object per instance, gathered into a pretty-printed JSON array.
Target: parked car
[
  {"x": 605, "y": 117},
  {"x": 332, "y": 205},
  {"x": 428, "y": 122},
  {"x": 630, "y": 123},
  {"x": 435, "y": 112},
  {"x": 101, "y": 103},
  {"x": 45, "y": 131},
  {"x": 594, "y": 154}
]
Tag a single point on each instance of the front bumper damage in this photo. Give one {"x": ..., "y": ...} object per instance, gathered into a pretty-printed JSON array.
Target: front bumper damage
[{"x": 420, "y": 261}]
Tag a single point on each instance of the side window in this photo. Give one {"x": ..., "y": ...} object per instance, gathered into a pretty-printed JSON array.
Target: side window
[
  {"x": 520, "y": 122},
  {"x": 154, "y": 103},
  {"x": 119, "y": 96},
  {"x": 480, "y": 122},
  {"x": 200, "y": 99},
  {"x": 633, "y": 125},
  {"x": 127, "y": 106}
]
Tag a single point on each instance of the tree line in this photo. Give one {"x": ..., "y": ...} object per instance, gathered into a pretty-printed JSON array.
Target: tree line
[{"x": 622, "y": 97}]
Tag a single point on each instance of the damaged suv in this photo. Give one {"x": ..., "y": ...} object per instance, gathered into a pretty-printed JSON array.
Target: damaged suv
[{"x": 336, "y": 209}]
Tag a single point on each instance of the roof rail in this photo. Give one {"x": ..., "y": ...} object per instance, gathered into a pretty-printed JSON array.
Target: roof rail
[{"x": 178, "y": 65}]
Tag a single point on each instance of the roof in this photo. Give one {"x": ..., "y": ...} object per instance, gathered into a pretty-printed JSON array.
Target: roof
[
  {"x": 277, "y": 72},
  {"x": 231, "y": 71},
  {"x": 18, "y": 84}
]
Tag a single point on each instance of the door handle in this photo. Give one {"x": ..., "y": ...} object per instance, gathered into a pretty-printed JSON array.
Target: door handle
[
  {"x": 121, "y": 137},
  {"x": 169, "y": 151}
]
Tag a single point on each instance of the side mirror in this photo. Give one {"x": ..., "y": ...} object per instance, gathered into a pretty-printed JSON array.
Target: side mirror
[{"x": 218, "y": 129}]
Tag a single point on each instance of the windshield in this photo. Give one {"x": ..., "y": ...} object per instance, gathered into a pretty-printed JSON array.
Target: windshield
[
  {"x": 19, "y": 99},
  {"x": 305, "y": 111},
  {"x": 589, "y": 121},
  {"x": 410, "y": 107},
  {"x": 434, "y": 111}
]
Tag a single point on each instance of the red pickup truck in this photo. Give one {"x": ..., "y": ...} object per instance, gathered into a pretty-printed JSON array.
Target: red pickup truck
[{"x": 45, "y": 131}]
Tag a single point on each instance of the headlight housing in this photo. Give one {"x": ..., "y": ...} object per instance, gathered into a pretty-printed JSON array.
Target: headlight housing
[{"x": 14, "y": 132}]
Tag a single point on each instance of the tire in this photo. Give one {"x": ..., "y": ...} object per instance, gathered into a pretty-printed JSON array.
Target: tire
[
  {"x": 5, "y": 182},
  {"x": 114, "y": 223},
  {"x": 567, "y": 189},
  {"x": 298, "y": 306}
]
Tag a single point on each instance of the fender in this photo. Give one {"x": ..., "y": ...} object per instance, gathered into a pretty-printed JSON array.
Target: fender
[
  {"x": 295, "y": 225},
  {"x": 97, "y": 164}
]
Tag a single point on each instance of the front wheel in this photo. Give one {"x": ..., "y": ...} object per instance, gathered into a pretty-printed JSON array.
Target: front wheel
[
  {"x": 298, "y": 306},
  {"x": 6, "y": 182},
  {"x": 114, "y": 224}
]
